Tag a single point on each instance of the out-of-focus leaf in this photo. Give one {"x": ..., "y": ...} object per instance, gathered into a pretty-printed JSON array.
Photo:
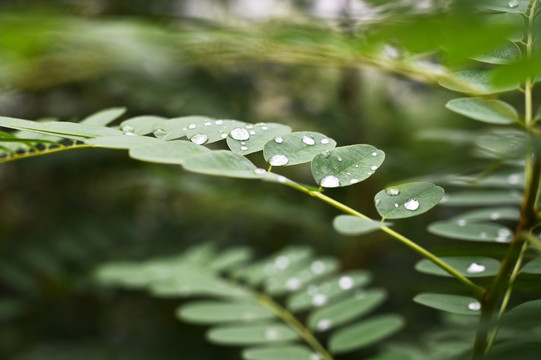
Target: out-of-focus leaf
[
  {"x": 251, "y": 334},
  {"x": 472, "y": 231},
  {"x": 213, "y": 312},
  {"x": 455, "y": 304},
  {"x": 467, "y": 265},
  {"x": 506, "y": 53},
  {"x": 486, "y": 110},
  {"x": 353, "y": 225},
  {"x": 482, "y": 198},
  {"x": 513, "y": 6},
  {"x": 289, "y": 352},
  {"x": 480, "y": 82},
  {"x": 489, "y": 214}
]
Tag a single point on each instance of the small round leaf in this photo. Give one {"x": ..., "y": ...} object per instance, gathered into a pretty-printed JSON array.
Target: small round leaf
[
  {"x": 296, "y": 148},
  {"x": 353, "y": 225},
  {"x": 171, "y": 152},
  {"x": 222, "y": 163}
]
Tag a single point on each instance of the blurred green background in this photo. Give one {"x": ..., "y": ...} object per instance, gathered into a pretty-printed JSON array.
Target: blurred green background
[{"x": 256, "y": 61}]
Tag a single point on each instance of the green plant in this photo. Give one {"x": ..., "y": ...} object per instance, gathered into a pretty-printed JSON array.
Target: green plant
[{"x": 511, "y": 151}]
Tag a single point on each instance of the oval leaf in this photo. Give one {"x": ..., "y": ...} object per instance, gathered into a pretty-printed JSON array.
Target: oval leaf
[
  {"x": 485, "y": 110},
  {"x": 407, "y": 200},
  {"x": 346, "y": 165},
  {"x": 121, "y": 141},
  {"x": 471, "y": 231},
  {"x": 171, "y": 152},
  {"x": 466, "y": 265},
  {"x": 354, "y": 225},
  {"x": 259, "y": 135},
  {"x": 254, "y": 334},
  {"x": 489, "y": 214},
  {"x": 222, "y": 163},
  {"x": 455, "y": 304},
  {"x": 479, "y": 82},
  {"x": 482, "y": 198},
  {"x": 211, "y": 312},
  {"x": 296, "y": 148},
  {"x": 506, "y": 53},
  {"x": 346, "y": 310},
  {"x": 290, "y": 352},
  {"x": 365, "y": 333},
  {"x": 103, "y": 117}
]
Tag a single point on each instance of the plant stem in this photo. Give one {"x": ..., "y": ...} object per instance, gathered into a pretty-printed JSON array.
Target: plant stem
[{"x": 294, "y": 324}]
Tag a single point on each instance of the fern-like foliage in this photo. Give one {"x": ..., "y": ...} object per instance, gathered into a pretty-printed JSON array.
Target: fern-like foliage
[{"x": 260, "y": 305}]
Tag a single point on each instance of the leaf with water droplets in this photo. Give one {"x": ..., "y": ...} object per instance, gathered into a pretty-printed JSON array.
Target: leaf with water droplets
[
  {"x": 407, "y": 200},
  {"x": 286, "y": 352},
  {"x": 480, "y": 82},
  {"x": 171, "y": 152},
  {"x": 222, "y": 163},
  {"x": 216, "y": 130},
  {"x": 485, "y": 110},
  {"x": 347, "y": 164},
  {"x": 365, "y": 333},
  {"x": 354, "y": 225},
  {"x": 251, "y": 334},
  {"x": 213, "y": 312},
  {"x": 121, "y": 141},
  {"x": 456, "y": 304},
  {"x": 512, "y": 6},
  {"x": 259, "y": 135},
  {"x": 331, "y": 289},
  {"x": 176, "y": 128},
  {"x": 346, "y": 310},
  {"x": 489, "y": 214},
  {"x": 482, "y": 198},
  {"x": 506, "y": 53},
  {"x": 468, "y": 266},
  {"x": 294, "y": 148},
  {"x": 141, "y": 125},
  {"x": 103, "y": 117},
  {"x": 471, "y": 231}
]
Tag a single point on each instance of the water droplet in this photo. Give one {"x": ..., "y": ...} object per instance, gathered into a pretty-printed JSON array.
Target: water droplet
[
  {"x": 192, "y": 126},
  {"x": 244, "y": 148},
  {"x": 393, "y": 192},
  {"x": 345, "y": 282},
  {"x": 325, "y": 141},
  {"x": 281, "y": 262},
  {"x": 330, "y": 181},
  {"x": 326, "y": 154},
  {"x": 483, "y": 235},
  {"x": 318, "y": 267},
  {"x": 513, "y": 4},
  {"x": 199, "y": 139},
  {"x": 411, "y": 204},
  {"x": 249, "y": 126},
  {"x": 127, "y": 128},
  {"x": 396, "y": 205},
  {"x": 240, "y": 134},
  {"x": 278, "y": 139},
  {"x": 207, "y": 123},
  {"x": 513, "y": 179},
  {"x": 373, "y": 167},
  {"x": 160, "y": 133},
  {"x": 260, "y": 171},
  {"x": 308, "y": 140},
  {"x": 129, "y": 134},
  {"x": 495, "y": 216},
  {"x": 374, "y": 154},
  {"x": 278, "y": 160},
  {"x": 223, "y": 136},
  {"x": 293, "y": 283},
  {"x": 243, "y": 142},
  {"x": 271, "y": 334},
  {"x": 282, "y": 179},
  {"x": 354, "y": 181},
  {"x": 319, "y": 299},
  {"x": 314, "y": 356},
  {"x": 475, "y": 268},
  {"x": 252, "y": 132},
  {"x": 475, "y": 306},
  {"x": 219, "y": 122},
  {"x": 264, "y": 128},
  {"x": 323, "y": 324},
  {"x": 338, "y": 158},
  {"x": 462, "y": 222}
]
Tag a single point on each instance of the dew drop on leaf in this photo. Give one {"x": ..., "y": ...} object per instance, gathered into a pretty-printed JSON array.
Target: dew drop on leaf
[
  {"x": 244, "y": 148},
  {"x": 374, "y": 154},
  {"x": 513, "y": 179},
  {"x": 278, "y": 160},
  {"x": 325, "y": 141},
  {"x": 411, "y": 204},
  {"x": 495, "y": 216},
  {"x": 260, "y": 171},
  {"x": 278, "y": 139},
  {"x": 127, "y": 129},
  {"x": 199, "y": 139},
  {"x": 475, "y": 268},
  {"x": 271, "y": 334},
  {"x": 160, "y": 133},
  {"x": 462, "y": 222},
  {"x": 207, "y": 123},
  {"x": 293, "y": 283},
  {"x": 281, "y": 262},
  {"x": 219, "y": 122},
  {"x": 373, "y": 167},
  {"x": 396, "y": 205},
  {"x": 308, "y": 140},
  {"x": 317, "y": 267},
  {"x": 354, "y": 181},
  {"x": 345, "y": 282},
  {"x": 240, "y": 134},
  {"x": 323, "y": 324},
  {"x": 475, "y": 306},
  {"x": 319, "y": 299},
  {"x": 330, "y": 181},
  {"x": 192, "y": 126},
  {"x": 393, "y": 192},
  {"x": 512, "y": 4}
]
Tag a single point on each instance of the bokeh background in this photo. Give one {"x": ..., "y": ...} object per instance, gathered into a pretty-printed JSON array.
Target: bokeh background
[{"x": 268, "y": 60}]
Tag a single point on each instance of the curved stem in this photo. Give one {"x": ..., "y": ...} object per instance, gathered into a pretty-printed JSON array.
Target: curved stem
[{"x": 294, "y": 324}]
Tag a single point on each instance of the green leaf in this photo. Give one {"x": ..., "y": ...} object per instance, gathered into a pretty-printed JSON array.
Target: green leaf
[
  {"x": 251, "y": 334},
  {"x": 121, "y": 141},
  {"x": 407, "y": 200},
  {"x": 485, "y": 110},
  {"x": 490, "y": 214},
  {"x": 533, "y": 267},
  {"x": 503, "y": 144},
  {"x": 140, "y": 125},
  {"x": 524, "y": 316},
  {"x": 296, "y": 148},
  {"x": 462, "y": 230},
  {"x": 198, "y": 284},
  {"x": 222, "y": 163},
  {"x": 353, "y": 225},
  {"x": 289, "y": 352},
  {"x": 480, "y": 82},
  {"x": 171, "y": 152},
  {"x": 456, "y": 304},
  {"x": 346, "y": 165},
  {"x": 506, "y": 53},
  {"x": 346, "y": 310},
  {"x": 327, "y": 291},
  {"x": 103, "y": 117},
  {"x": 365, "y": 333},
  {"x": 176, "y": 128},
  {"x": 507, "y": 179},
  {"x": 512, "y": 6},
  {"x": 258, "y": 135},
  {"x": 482, "y": 198},
  {"x": 468, "y": 266},
  {"x": 211, "y": 131},
  {"x": 231, "y": 258},
  {"x": 211, "y": 312}
]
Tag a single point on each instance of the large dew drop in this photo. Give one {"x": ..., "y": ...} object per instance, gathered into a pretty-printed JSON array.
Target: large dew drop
[
  {"x": 319, "y": 299},
  {"x": 278, "y": 160},
  {"x": 474, "y": 306},
  {"x": 308, "y": 140},
  {"x": 323, "y": 324},
  {"x": 512, "y": 4},
  {"x": 411, "y": 204},
  {"x": 199, "y": 139},
  {"x": 345, "y": 282},
  {"x": 330, "y": 181},
  {"x": 475, "y": 268},
  {"x": 293, "y": 284},
  {"x": 278, "y": 139},
  {"x": 240, "y": 134}
]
